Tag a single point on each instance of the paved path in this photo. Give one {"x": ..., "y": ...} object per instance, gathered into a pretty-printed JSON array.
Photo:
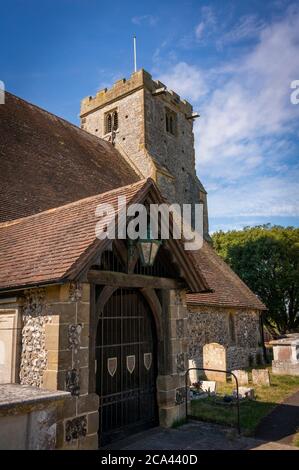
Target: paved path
[
  {"x": 282, "y": 423},
  {"x": 194, "y": 436}
]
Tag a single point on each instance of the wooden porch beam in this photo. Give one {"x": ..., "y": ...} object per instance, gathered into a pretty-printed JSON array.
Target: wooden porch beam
[{"x": 116, "y": 279}]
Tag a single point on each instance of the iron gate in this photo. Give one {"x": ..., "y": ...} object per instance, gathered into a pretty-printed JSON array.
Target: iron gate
[{"x": 126, "y": 366}]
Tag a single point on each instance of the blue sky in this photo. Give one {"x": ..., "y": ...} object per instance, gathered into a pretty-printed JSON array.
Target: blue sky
[{"x": 233, "y": 60}]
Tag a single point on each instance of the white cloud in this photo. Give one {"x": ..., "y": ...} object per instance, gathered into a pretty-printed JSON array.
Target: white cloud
[
  {"x": 186, "y": 80},
  {"x": 248, "y": 26},
  {"x": 244, "y": 136},
  {"x": 148, "y": 19},
  {"x": 251, "y": 111},
  {"x": 207, "y": 22},
  {"x": 259, "y": 197},
  {"x": 199, "y": 30}
]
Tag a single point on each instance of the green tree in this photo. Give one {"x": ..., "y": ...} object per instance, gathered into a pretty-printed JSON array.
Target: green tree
[{"x": 267, "y": 259}]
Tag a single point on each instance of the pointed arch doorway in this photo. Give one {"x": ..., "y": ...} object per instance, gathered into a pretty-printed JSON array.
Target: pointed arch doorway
[{"x": 126, "y": 372}]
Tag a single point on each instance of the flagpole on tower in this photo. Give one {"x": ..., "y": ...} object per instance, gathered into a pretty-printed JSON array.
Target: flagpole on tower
[{"x": 135, "y": 55}]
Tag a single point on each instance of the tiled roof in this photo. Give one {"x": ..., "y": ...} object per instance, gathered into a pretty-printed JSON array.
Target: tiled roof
[
  {"x": 45, "y": 247},
  {"x": 47, "y": 162},
  {"x": 57, "y": 244},
  {"x": 228, "y": 289}
]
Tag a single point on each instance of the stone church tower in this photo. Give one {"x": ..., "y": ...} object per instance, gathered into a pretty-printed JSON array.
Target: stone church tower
[{"x": 152, "y": 127}]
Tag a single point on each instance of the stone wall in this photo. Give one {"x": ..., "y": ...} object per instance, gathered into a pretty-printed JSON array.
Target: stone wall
[
  {"x": 238, "y": 330},
  {"x": 55, "y": 356},
  {"x": 29, "y": 417},
  {"x": 35, "y": 317},
  {"x": 171, "y": 378}
]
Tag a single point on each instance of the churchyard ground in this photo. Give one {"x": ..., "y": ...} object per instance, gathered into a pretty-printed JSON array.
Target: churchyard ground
[{"x": 214, "y": 409}]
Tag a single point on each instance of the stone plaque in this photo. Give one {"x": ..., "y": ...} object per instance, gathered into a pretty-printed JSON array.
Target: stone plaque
[{"x": 214, "y": 357}]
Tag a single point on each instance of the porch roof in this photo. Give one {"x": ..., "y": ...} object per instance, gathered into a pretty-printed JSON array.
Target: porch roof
[{"x": 56, "y": 245}]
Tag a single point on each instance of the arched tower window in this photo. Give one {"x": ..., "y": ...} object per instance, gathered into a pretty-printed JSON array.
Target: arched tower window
[
  {"x": 171, "y": 121},
  {"x": 111, "y": 121},
  {"x": 171, "y": 127}
]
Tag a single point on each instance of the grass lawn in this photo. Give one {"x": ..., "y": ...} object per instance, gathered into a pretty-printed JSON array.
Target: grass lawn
[
  {"x": 296, "y": 439},
  {"x": 251, "y": 411}
]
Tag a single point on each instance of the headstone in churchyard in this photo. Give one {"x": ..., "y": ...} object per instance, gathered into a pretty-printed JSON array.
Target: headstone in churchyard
[
  {"x": 261, "y": 377},
  {"x": 208, "y": 386},
  {"x": 193, "y": 374},
  {"x": 242, "y": 376},
  {"x": 245, "y": 392},
  {"x": 214, "y": 357},
  {"x": 286, "y": 355}
]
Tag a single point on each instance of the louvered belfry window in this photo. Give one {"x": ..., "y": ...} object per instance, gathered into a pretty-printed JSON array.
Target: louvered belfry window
[{"x": 111, "y": 121}]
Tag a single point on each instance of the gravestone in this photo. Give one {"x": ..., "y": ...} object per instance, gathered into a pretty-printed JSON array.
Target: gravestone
[
  {"x": 193, "y": 374},
  {"x": 261, "y": 377},
  {"x": 241, "y": 375},
  {"x": 214, "y": 357},
  {"x": 245, "y": 392},
  {"x": 208, "y": 386},
  {"x": 286, "y": 355}
]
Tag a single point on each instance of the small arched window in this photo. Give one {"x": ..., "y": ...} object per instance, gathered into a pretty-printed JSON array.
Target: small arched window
[
  {"x": 167, "y": 122},
  {"x": 171, "y": 121},
  {"x": 111, "y": 122},
  {"x": 171, "y": 129}
]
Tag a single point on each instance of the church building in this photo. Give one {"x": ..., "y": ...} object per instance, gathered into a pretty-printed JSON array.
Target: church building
[{"x": 95, "y": 340}]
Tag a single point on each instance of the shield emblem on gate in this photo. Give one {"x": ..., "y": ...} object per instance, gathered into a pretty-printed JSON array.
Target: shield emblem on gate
[
  {"x": 112, "y": 365},
  {"x": 131, "y": 363},
  {"x": 147, "y": 360}
]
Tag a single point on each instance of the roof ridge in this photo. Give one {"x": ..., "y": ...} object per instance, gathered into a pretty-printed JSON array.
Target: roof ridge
[{"x": 74, "y": 203}]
